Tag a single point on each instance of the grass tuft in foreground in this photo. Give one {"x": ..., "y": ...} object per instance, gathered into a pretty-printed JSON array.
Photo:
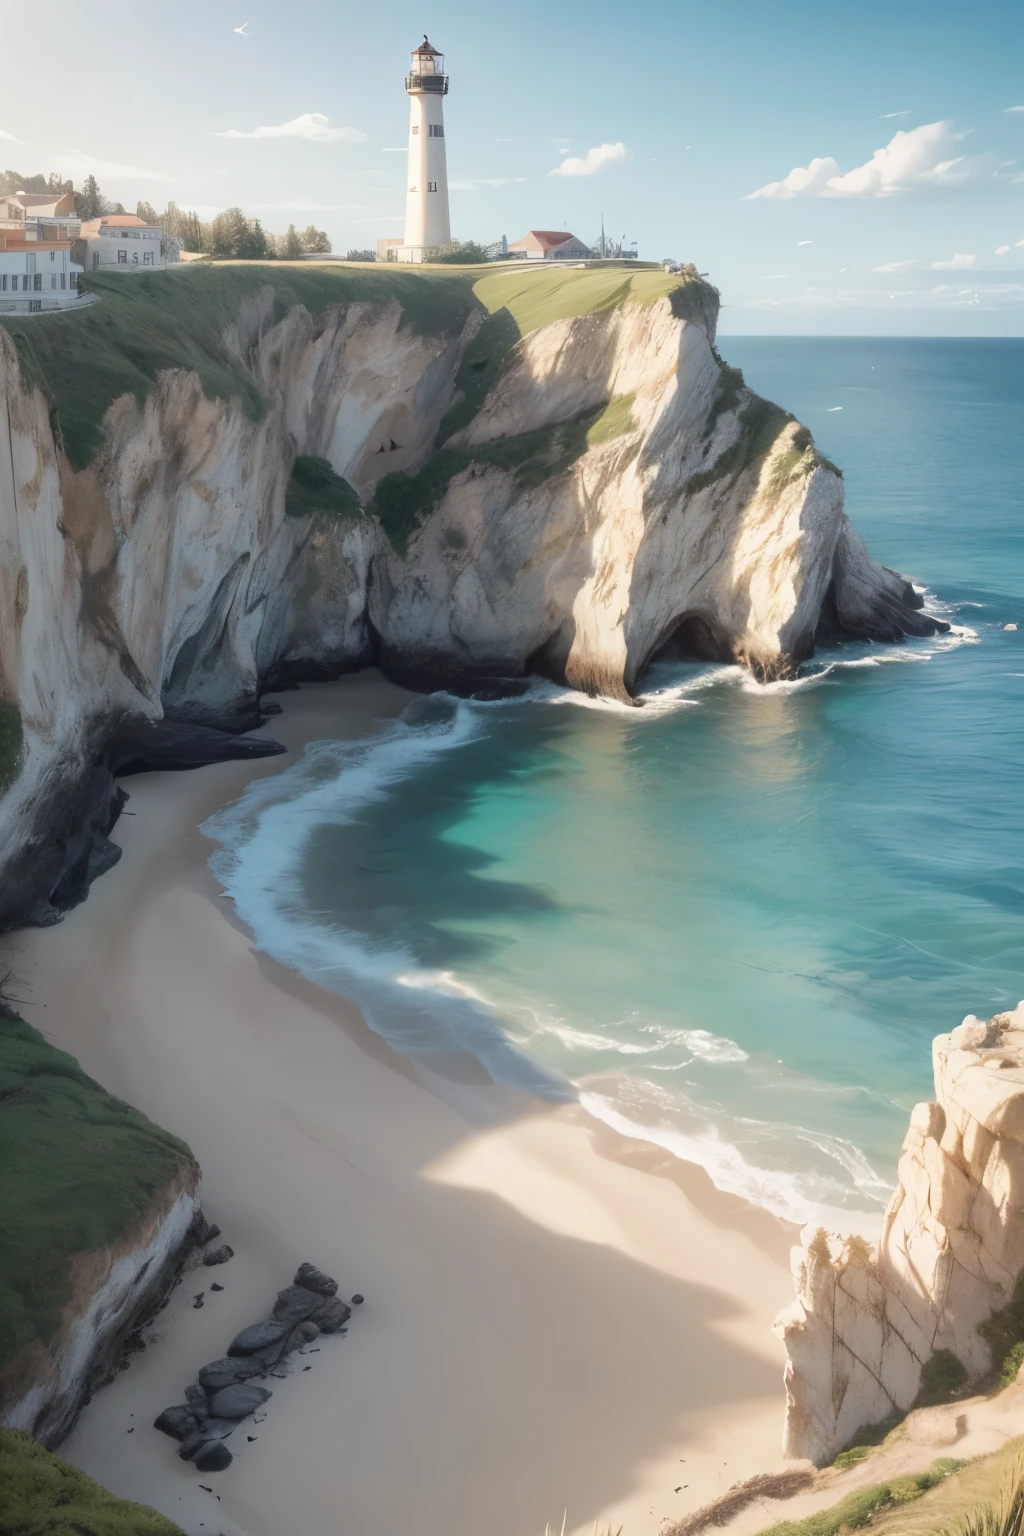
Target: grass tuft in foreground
[
  {"x": 77, "y": 1169},
  {"x": 864, "y": 1506},
  {"x": 40, "y": 1495}
]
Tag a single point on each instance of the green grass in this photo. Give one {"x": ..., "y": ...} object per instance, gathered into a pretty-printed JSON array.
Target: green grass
[
  {"x": 537, "y": 297},
  {"x": 864, "y": 1505},
  {"x": 403, "y": 502},
  {"x": 1003, "y": 1332},
  {"x": 40, "y": 1495},
  {"x": 314, "y": 487},
  {"x": 153, "y": 321},
  {"x": 77, "y": 1168},
  {"x": 480, "y": 368},
  {"x": 760, "y": 423},
  {"x": 10, "y": 743}
]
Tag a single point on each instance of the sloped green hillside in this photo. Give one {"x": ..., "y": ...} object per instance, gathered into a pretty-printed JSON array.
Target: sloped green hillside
[{"x": 40, "y": 1495}]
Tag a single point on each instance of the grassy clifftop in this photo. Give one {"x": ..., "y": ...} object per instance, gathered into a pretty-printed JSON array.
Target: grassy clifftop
[
  {"x": 40, "y": 1495},
  {"x": 149, "y": 322},
  {"x": 77, "y": 1169}
]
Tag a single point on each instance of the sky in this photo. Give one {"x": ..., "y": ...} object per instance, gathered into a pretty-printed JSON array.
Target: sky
[{"x": 835, "y": 169}]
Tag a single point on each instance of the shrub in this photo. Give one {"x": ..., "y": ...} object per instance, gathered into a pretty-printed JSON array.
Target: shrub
[
  {"x": 460, "y": 253},
  {"x": 942, "y": 1377},
  {"x": 10, "y": 743},
  {"x": 1003, "y": 1332},
  {"x": 314, "y": 487},
  {"x": 44, "y": 1496}
]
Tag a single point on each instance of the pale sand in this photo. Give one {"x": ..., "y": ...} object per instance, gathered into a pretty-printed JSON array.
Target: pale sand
[{"x": 555, "y": 1319}]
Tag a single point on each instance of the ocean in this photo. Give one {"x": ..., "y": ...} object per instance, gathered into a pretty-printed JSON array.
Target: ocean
[{"x": 729, "y": 922}]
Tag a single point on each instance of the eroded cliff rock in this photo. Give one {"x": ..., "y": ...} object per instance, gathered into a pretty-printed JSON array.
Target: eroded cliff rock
[
  {"x": 567, "y": 501},
  {"x": 867, "y": 1320}
]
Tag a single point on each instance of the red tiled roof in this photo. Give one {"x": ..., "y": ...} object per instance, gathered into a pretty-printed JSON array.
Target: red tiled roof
[{"x": 547, "y": 239}]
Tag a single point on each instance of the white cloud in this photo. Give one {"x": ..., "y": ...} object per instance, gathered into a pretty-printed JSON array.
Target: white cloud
[
  {"x": 11, "y": 137},
  {"x": 914, "y": 159},
  {"x": 76, "y": 163},
  {"x": 483, "y": 181},
  {"x": 805, "y": 242},
  {"x": 1015, "y": 109},
  {"x": 1001, "y": 250},
  {"x": 896, "y": 266},
  {"x": 310, "y": 125},
  {"x": 594, "y": 160},
  {"x": 905, "y": 113},
  {"x": 958, "y": 263}
]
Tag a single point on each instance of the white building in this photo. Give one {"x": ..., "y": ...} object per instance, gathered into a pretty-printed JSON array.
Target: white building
[
  {"x": 550, "y": 245},
  {"x": 36, "y": 274},
  {"x": 120, "y": 242},
  {"x": 427, "y": 219}
]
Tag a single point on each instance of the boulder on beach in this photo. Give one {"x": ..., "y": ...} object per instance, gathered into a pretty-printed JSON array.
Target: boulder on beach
[
  {"x": 217, "y": 1429},
  {"x": 309, "y": 1331},
  {"x": 313, "y": 1279},
  {"x": 224, "y": 1373},
  {"x": 259, "y": 1336},
  {"x": 178, "y": 1421},
  {"x": 332, "y": 1315},
  {"x": 219, "y": 1255},
  {"x": 238, "y": 1401},
  {"x": 213, "y": 1457},
  {"x": 294, "y": 1304}
]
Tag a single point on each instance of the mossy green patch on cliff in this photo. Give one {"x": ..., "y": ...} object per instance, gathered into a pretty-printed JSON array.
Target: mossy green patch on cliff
[
  {"x": 314, "y": 487},
  {"x": 77, "y": 1169},
  {"x": 481, "y": 365},
  {"x": 538, "y": 296},
  {"x": 10, "y": 743},
  {"x": 149, "y": 322},
  {"x": 40, "y": 1495},
  {"x": 403, "y": 502},
  {"x": 760, "y": 423}
]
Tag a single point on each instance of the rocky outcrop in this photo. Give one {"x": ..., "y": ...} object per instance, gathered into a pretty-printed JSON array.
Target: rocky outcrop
[
  {"x": 610, "y": 488},
  {"x": 867, "y": 1321}
]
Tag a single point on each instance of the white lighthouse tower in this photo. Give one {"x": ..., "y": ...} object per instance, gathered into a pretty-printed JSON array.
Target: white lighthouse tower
[{"x": 427, "y": 220}]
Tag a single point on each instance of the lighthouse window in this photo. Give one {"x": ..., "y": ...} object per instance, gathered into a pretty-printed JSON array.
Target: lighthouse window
[
  {"x": 431, "y": 186},
  {"x": 435, "y": 131}
]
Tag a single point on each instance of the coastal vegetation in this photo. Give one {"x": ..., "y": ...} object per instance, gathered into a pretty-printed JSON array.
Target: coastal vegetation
[
  {"x": 314, "y": 487},
  {"x": 402, "y": 502},
  {"x": 10, "y": 742},
  {"x": 44, "y": 1496},
  {"x": 77, "y": 1169}
]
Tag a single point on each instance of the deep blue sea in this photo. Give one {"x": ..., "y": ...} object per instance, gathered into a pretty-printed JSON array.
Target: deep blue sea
[{"x": 733, "y": 920}]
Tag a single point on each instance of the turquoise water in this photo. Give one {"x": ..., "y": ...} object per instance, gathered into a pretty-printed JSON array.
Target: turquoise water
[{"x": 731, "y": 921}]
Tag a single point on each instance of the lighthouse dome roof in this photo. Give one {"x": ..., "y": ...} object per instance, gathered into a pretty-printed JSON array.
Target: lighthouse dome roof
[{"x": 426, "y": 47}]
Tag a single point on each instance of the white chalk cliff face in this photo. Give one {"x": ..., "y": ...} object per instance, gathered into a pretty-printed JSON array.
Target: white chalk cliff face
[
  {"x": 616, "y": 490},
  {"x": 951, "y": 1251}
]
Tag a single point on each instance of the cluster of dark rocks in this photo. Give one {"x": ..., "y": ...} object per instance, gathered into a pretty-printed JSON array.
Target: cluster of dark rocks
[{"x": 227, "y": 1392}]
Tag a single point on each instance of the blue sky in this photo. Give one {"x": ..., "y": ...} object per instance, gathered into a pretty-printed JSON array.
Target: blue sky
[{"x": 677, "y": 112}]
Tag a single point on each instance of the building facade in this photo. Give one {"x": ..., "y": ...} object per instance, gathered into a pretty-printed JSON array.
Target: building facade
[
  {"x": 36, "y": 274},
  {"x": 549, "y": 245},
  {"x": 120, "y": 242}
]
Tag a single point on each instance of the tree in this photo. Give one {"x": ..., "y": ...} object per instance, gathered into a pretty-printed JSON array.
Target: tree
[
  {"x": 291, "y": 245},
  {"x": 315, "y": 240},
  {"x": 90, "y": 202},
  {"x": 366, "y": 255},
  {"x": 147, "y": 213},
  {"x": 461, "y": 253}
]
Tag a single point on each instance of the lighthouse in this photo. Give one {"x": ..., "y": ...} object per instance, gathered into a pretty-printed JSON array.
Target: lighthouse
[{"x": 427, "y": 220}]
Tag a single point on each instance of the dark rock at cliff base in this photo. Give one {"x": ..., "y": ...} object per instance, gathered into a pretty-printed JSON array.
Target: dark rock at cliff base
[
  {"x": 312, "y": 1279},
  {"x": 217, "y": 1429},
  {"x": 261, "y": 1336},
  {"x": 177, "y": 1422},
  {"x": 226, "y": 1372},
  {"x": 219, "y": 1255},
  {"x": 213, "y": 1457},
  {"x": 294, "y": 1305},
  {"x": 149, "y": 745},
  {"x": 332, "y": 1315},
  {"x": 196, "y": 1397},
  {"x": 238, "y": 1401}
]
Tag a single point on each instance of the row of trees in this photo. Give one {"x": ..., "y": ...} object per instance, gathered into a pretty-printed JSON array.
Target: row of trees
[{"x": 229, "y": 234}]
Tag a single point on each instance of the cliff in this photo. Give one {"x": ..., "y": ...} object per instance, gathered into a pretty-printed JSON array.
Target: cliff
[
  {"x": 96, "y": 1207},
  {"x": 214, "y": 480},
  {"x": 936, "y": 1305}
]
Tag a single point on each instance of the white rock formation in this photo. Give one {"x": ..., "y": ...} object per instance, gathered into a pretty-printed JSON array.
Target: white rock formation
[
  {"x": 950, "y": 1253},
  {"x": 166, "y": 578}
]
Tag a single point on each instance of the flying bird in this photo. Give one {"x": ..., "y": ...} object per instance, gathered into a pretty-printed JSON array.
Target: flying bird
[{"x": 241, "y": 30}]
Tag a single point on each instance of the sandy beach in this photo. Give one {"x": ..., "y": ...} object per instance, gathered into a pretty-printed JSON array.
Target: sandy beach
[{"x": 556, "y": 1319}]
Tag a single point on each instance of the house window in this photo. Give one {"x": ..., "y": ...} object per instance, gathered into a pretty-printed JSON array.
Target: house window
[
  {"x": 34, "y": 306},
  {"x": 53, "y": 255},
  {"x": 53, "y": 279},
  {"x": 147, "y": 258},
  {"x": 95, "y": 258},
  {"x": 37, "y": 282},
  {"x": 122, "y": 258},
  {"x": 3, "y": 282},
  {"x": 431, "y": 186},
  {"x": 436, "y": 131},
  {"x": 63, "y": 280}
]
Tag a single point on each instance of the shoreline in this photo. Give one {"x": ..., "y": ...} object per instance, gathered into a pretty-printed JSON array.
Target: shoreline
[{"x": 557, "y": 1318}]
